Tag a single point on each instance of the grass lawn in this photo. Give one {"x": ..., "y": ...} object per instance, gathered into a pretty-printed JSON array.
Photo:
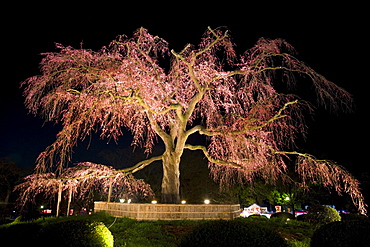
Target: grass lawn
[{"x": 129, "y": 232}]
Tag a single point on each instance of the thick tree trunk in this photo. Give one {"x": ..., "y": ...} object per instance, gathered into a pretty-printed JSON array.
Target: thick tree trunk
[{"x": 171, "y": 177}]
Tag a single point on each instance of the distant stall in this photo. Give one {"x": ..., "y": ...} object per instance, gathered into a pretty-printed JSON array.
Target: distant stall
[{"x": 254, "y": 209}]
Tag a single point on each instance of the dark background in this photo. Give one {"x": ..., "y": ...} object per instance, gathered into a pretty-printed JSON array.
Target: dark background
[{"x": 331, "y": 39}]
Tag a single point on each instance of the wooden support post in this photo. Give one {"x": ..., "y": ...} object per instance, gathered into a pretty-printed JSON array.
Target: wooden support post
[
  {"x": 60, "y": 189},
  {"x": 69, "y": 201},
  {"x": 110, "y": 191}
]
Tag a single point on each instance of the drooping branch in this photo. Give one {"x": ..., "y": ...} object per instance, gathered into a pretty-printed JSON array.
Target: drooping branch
[
  {"x": 217, "y": 40},
  {"x": 140, "y": 165},
  {"x": 310, "y": 169},
  {"x": 248, "y": 124},
  {"x": 330, "y": 175},
  {"x": 36, "y": 184},
  {"x": 210, "y": 158},
  {"x": 137, "y": 100},
  {"x": 79, "y": 180}
]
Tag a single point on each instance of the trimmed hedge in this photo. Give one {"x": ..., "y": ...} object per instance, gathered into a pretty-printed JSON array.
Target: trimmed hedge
[
  {"x": 348, "y": 217},
  {"x": 20, "y": 234},
  {"x": 77, "y": 233},
  {"x": 232, "y": 233},
  {"x": 284, "y": 216},
  {"x": 342, "y": 234},
  {"x": 320, "y": 215}
]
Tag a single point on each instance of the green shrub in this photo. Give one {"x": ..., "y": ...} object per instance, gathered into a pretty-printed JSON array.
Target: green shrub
[
  {"x": 346, "y": 217},
  {"x": 303, "y": 243},
  {"x": 283, "y": 216},
  {"x": 232, "y": 233},
  {"x": 301, "y": 217},
  {"x": 320, "y": 215},
  {"x": 20, "y": 234},
  {"x": 342, "y": 234},
  {"x": 257, "y": 216},
  {"x": 145, "y": 234},
  {"x": 81, "y": 233},
  {"x": 297, "y": 233}
]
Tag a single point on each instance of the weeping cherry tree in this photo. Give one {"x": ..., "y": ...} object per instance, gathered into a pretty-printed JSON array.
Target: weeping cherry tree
[
  {"x": 235, "y": 101},
  {"x": 80, "y": 182}
]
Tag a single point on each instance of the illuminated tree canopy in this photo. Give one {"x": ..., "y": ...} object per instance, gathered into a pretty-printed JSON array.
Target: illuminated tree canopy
[
  {"x": 79, "y": 181},
  {"x": 233, "y": 100}
]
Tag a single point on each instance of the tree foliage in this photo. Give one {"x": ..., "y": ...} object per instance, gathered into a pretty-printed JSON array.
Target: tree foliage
[
  {"x": 234, "y": 100},
  {"x": 79, "y": 181},
  {"x": 9, "y": 176}
]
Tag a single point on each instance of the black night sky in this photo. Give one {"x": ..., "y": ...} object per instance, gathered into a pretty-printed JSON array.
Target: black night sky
[{"x": 333, "y": 41}]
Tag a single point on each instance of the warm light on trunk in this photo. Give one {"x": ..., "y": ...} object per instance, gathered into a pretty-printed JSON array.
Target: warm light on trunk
[{"x": 171, "y": 178}]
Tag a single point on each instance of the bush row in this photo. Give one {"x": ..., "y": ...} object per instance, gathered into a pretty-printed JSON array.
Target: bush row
[
  {"x": 236, "y": 233},
  {"x": 351, "y": 231},
  {"x": 77, "y": 233},
  {"x": 232, "y": 233},
  {"x": 332, "y": 229},
  {"x": 342, "y": 234}
]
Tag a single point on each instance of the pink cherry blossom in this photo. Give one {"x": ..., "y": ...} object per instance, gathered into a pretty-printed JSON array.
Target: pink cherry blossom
[{"x": 236, "y": 101}]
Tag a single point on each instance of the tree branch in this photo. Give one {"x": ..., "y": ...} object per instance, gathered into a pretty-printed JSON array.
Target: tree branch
[
  {"x": 203, "y": 131},
  {"x": 277, "y": 116},
  {"x": 210, "y": 159},
  {"x": 218, "y": 38},
  {"x": 329, "y": 174},
  {"x": 141, "y": 165},
  {"x": 137, "y": 100},
  {"x": 165, "y": 137}
]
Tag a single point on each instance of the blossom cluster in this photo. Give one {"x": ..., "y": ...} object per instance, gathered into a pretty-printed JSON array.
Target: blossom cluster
[{"x": 80, "y": 181}]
